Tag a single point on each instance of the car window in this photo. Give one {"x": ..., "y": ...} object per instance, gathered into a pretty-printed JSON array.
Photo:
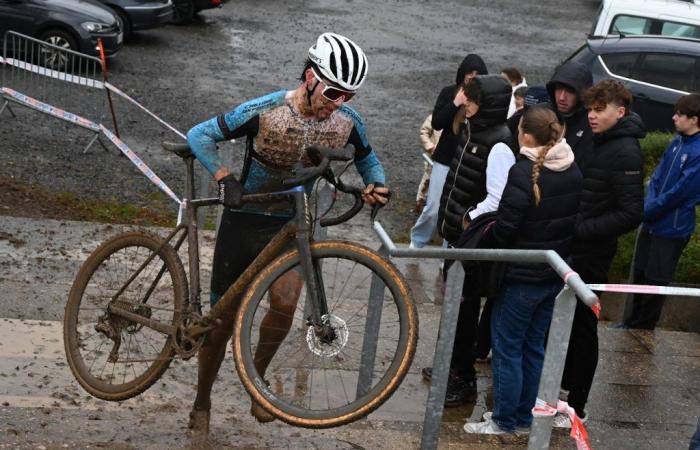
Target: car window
[
  {"x": 620, "y": 63},
  {"x": 672, "y": 71},
  {"x": 680, "y": 30},
  {"x": 623, "y": 24}
]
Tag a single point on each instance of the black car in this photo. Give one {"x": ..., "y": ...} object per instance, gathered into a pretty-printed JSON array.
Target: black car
[
  {"x": 141, "y": 14},
  {"x": 656, "y": 69},
  {"x": 71, "y": 24}
]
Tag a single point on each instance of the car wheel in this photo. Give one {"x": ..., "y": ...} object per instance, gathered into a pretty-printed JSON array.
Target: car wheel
[
  {"x": 124, "y": 22},
  {"x": 55, "y": 58},
  {"x": 184, "y": 11}
]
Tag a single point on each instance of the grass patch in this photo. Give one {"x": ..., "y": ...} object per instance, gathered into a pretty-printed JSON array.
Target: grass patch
[{"x": 688, "y": 270}]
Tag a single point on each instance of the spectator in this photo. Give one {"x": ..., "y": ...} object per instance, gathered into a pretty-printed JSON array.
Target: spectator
[
  {"x": 448, "y": 102},
  {"x": 566, "y": 89},
  {"x": 428, "y": 140},
  {"x": 477, "y": 176},
  {"x": 669, "y": 213},
  {"x": 534, "y": 95},
  {"x": 516, "y": 80},
  {"x": 537, "y": 211},
  {"x": 519, "y": 97},
  {"x": 612, "y": 203}
]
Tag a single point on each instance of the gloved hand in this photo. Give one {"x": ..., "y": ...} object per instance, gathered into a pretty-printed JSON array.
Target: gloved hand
[{"x": 230, "y": 191}]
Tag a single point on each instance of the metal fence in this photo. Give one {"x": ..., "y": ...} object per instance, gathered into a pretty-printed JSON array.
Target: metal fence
[{"x": 559, "y": 332}]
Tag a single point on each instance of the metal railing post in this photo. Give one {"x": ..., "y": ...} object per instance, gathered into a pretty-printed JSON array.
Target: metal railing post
[
  {"x": 371, "y": 333},
  {"x": 443, "y": 356},
  {"x": 553, "y": 368}
]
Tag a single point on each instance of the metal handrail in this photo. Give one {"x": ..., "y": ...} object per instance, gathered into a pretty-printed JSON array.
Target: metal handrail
[{"x": 559, "y": 331}]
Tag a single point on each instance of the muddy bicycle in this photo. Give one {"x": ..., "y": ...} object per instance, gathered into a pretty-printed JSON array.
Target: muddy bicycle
[{"x": 337, "y": 357}]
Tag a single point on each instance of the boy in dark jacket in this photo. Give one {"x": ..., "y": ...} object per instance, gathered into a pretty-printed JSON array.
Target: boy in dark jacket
[
  {"x": 669, "y": 213},
  {"x": 611, "y": 205}
]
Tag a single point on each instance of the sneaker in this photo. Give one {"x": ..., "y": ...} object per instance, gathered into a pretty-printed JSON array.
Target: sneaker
[
  {"x": 519, "y": 430},
  {"x": 486, "y": 427},
  {"x": 459, "y": 391},
  {"x": 562, "y": 420}
]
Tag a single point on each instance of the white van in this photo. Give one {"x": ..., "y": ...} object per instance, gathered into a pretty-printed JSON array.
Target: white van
[{"x": 651, "y": 17}]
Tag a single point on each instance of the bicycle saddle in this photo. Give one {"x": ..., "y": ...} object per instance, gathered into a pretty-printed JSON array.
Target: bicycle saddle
[{"x": 180, "y": 149}]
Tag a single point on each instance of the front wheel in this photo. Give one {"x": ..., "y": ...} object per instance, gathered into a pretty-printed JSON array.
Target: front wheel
[
  {"x": 324, "y": 376},
  {"x": 114, "y": 358}
]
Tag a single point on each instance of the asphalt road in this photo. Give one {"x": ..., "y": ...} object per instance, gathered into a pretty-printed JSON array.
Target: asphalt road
[{"x": 248, "y": 48}]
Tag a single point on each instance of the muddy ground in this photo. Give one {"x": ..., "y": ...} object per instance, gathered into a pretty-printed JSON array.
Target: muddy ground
[{"x": 248, "y": 48}]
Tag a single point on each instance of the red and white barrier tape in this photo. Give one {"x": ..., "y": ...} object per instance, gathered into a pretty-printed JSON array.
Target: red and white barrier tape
[
  {"x": 51, "y": 110},
  {"x": 578, "y": 431},
  {"x": 139, "y": 164}
]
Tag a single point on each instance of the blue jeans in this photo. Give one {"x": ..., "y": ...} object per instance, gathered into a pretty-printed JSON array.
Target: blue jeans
[
  {"x": 695, "y": 440},
  {"x": 423, "y": 230},
  {"x": 519, "y": 322}
]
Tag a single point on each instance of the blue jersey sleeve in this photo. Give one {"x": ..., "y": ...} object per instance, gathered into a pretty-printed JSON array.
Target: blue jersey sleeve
[
  {"x": 366, "y": 161},
  {"x": 202, "y": 138}
]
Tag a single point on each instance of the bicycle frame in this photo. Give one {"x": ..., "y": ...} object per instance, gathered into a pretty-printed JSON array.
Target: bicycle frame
[{"x": 298, "y": 229}]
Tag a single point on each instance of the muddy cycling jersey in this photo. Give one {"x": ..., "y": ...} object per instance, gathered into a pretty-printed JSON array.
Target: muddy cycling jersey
[{"x": 280, "y": 135}]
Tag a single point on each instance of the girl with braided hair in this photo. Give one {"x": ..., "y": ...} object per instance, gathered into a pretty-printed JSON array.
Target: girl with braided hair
[{"x": 537, "y": 211}]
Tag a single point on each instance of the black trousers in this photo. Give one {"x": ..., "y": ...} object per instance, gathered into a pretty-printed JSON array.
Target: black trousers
[
  {"x": 592, "y": 263},
  {"x": 655, "y": 262}
]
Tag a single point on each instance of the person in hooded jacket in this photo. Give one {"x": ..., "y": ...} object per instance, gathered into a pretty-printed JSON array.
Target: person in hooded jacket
[
  {"x": 448, "y": 103},
  {"x": 612, "y": 204},
  {"x": 537, "y": 211},
  {"x": 474, "y": 184},
  {"x": 566, "y": 88}
]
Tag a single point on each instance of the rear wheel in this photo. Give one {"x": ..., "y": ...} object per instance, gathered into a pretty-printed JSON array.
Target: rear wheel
[
  {"x": 112, "y": 357},
  {"x": 320, "y": 377}
]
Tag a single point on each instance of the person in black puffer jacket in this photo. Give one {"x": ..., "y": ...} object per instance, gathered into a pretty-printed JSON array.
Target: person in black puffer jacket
[
  {"x": 538, "y": 211},
  {"x": 448, "y": 103},
  {"x": 476, "y": 178},
  {"x": 612, "y": 204},
  {"x": 479, "y": 134}
]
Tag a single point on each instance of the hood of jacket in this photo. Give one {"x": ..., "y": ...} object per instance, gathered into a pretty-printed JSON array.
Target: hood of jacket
[
  {"x": 495, "y": 98},
  {"x": 572, "y": 74},
  {"x": 470, "y": 62},
  {"x": 630, "y": 125}
]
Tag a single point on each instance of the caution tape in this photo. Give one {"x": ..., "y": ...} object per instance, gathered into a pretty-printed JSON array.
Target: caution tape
[
  {"x": 51, "y": 110},
  {"x": 133, "y": 157},
  {"x": 578, "y": 431}
]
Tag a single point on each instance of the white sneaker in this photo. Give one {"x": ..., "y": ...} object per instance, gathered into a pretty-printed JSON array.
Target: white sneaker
[
  {"x": 562, "y": 420},
  {"x": 518, "y": 430},
  {"x": 487, "y": 427}
]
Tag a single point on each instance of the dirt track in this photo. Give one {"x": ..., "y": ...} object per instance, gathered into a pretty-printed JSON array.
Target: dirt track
[{"x": 248, "y": 48}]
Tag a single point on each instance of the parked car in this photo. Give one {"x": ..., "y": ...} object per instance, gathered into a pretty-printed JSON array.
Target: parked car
[
  {"x": 658, "y": 70},
  {"x": 141, "y": 14},
  {"x": 71, "y": 24},
  {"x": 648, "y": 17},
  {"x": 186, "y": 9}
]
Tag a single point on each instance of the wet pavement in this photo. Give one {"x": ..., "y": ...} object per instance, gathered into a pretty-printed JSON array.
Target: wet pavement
[{"x": 646, "y": 394}]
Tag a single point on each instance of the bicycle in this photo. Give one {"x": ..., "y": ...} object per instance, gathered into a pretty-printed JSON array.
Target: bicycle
[{"x": 336, "y": 358}]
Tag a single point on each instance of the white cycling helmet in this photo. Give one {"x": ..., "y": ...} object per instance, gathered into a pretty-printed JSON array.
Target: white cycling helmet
[{"x": 340, "y": 61}]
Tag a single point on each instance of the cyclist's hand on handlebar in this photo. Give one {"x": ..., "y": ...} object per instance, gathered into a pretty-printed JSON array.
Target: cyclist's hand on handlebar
[
  {"x": 230, "y": 191},
  {"x": 376, "y": 194}
]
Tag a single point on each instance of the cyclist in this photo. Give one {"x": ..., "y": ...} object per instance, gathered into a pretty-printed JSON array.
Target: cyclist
[{"x": 278, "y": 127}]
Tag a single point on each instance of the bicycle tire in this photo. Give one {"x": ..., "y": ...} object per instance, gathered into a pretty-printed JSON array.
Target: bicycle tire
[
  {"x": 116, "y": 260},
  {"x": 396, "y": 362}
]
